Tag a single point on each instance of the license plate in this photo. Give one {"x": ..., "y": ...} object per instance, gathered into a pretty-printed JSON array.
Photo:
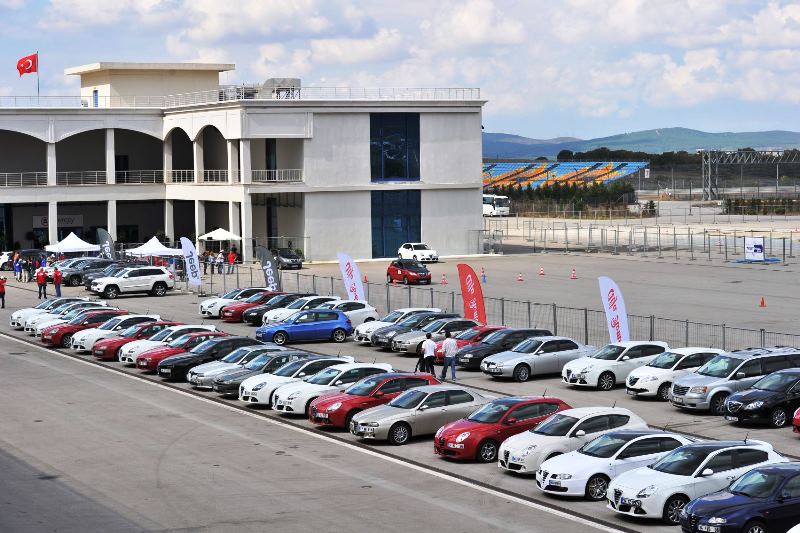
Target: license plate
[
  {"x": 677, "y": 400},
  {"x": 322, "y": 415},
  {"x": 165, "y": 371},
  {"x": 630, "y": 391},
  {"x": 628, "y": 501},
  {"x": 281, "y": 402},
  {"x": 732, "y": 418},
  {"x": 554, "y": 483}
]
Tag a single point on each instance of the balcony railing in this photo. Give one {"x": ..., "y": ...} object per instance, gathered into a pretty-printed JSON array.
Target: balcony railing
[
  {"x": 215, "y": 176},
  {"x": 139, "y": 176},
  {"x": 81, "y": 177},
  {"x": 23, "y": 179},
  {"x": 179, "y": 176},
  {"x": 286, "y": 175}
]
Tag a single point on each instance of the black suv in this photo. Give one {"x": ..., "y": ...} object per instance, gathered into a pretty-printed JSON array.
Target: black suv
[{"x": 772, "y": 399}]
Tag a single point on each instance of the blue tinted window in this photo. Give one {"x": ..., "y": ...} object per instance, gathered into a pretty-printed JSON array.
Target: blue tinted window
[
  {"x": 395, "y": 220},
  {"x": 394, "y": 146}
]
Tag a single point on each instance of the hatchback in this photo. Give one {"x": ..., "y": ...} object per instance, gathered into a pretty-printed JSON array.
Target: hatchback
[{"x": 311, "y": 325}]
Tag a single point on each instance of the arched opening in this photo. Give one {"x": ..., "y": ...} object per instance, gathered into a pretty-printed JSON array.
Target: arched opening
[
  {"x": 215, "y": 155},
  {"x": 23, "y": 160},
  {"x": 180, "y": 147},
  {"x": 138, "y": 157},
  {"x": 81, "y": 158}
]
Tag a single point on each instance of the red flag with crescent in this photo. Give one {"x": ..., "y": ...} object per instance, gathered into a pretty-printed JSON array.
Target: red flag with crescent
[
  {"x": 28, "y": 64},
  {"x": 471, "y": 293}
]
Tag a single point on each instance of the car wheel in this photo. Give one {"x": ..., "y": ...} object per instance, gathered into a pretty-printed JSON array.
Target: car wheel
[
  {"x": 415, "y": 258},
  {"x": 339, "y": 335},
  {"x": 487, "y": 452},
  {"x": 673, "y": 508},
  {"x": 280, "y": 338},
  {"x": 349, "y": 418},
  {"x": 405, "y": 280},
  {"x": 597, "y": 487},
  {"x": 111, "y": 292},
  {"x": 66, "y": 340},
  {"x": 606, "y": 381},
  {"x": 307, "y": 410},
  {"x": 522, "y": 373},
  {"x": 74, "y": 281},
  {"x": 754, "y": 527},
  {"x": 663, "y": 392},
  {"x": 778, "y": 417},
  {"x": 399, "y": 256},
  {"x": 159, "y": 289},
  {"x": 399, "y": 434},
  {"x": 388, "y": 278},
  {"x": 717, "y": 405},
  {"x": 219, "y": 315},
  {"x": 370, "y": 319}
]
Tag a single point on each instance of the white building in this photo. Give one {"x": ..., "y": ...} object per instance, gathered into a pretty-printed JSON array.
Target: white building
[{"x": 163, "y": 148}]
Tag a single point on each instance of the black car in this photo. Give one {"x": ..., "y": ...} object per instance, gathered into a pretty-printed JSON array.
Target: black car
[
  {"x": 228, "y": 382},
  {"x": 175, "y": 368},
  {"x": 772, "y": 399},
  {"x": 470, "y": 357},
  {"x": 287, "y": 258},
  {"x": 382, "y": 337},
  {"x": 255, "y": 315}
]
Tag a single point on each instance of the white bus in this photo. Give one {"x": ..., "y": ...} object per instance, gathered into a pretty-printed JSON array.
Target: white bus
[{"x": 496, "y": 206}]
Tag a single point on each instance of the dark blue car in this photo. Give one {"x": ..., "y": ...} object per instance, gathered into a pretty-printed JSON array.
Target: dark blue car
[
  {"x": 309, "y": 325},
  {"x": 764, "y": 500}
]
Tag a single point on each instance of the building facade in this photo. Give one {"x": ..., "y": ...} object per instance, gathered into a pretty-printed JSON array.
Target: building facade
[{"x": 164, "y": 149}]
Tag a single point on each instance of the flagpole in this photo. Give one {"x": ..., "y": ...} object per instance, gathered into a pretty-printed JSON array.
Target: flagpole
[{"x": 37, "y": 77}]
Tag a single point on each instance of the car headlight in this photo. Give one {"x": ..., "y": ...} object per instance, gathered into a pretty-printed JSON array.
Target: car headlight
[
  {"x": 259, "y": 387},
  {"x": 499, "y": 365},
  {"x": 391, "y": 334},
  {"x": 333, "y": 407},
  {"x": 647, "y": 379},
  {"x": 462, "y": 437},
  {"x": 439, "y": 432},
  {"x": 371, "y": 424},
  {"x": 717, "y": 520},
  {"x": 754, "y": 405},
  {"x": 467, "y": 356},
  {"x": 698, "y": 390},
  {"x": 586, "y": 369},
  {"x": 561, "y": 476},
  {"x": 527, "y": 450},
  {"x": 647, "y": 492},
  {"x": 292, "y": 396}
]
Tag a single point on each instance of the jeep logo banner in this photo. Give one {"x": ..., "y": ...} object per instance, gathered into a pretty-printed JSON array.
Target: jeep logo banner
[
  {"x": 472, "y": 293},
  {"x": 271, "y": 279},
  {"x": 192, "y": 262},
  {"x": 106, "y": 244}
]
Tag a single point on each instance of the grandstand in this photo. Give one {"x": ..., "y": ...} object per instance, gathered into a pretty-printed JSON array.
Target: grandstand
[{"x": 543, "y": 173}]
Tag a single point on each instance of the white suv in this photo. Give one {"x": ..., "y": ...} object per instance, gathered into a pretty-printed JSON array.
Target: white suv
[{"x": 155, "y": 280}]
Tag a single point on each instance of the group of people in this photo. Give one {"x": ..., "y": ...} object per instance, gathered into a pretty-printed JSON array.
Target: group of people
[
  {"x": 27, "y": 269},
  {"x": 428, "y": 356},
  {"x": 217, "y": 261}
]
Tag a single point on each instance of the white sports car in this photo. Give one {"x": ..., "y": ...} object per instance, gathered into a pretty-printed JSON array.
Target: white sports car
[
  {"x": 611, "y": 364},
  {"x": 84, "y": 341},
  {"x": 18, "y": 317},
  {"x": 657, "y": 376},
  {"x": 280, "y": 314},
  {"x": 128, "y": 353},
  {"x": 357, "y": 312},
  {"x": 212, "y": 307},
  {"x": 419, "y": 251}
]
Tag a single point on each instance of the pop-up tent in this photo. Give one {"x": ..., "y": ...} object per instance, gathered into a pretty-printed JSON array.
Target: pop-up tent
[
  {"x": 153, "y": 247},
  {"x": 219, "y": 234},
  {"x": 71, "y": 243}
]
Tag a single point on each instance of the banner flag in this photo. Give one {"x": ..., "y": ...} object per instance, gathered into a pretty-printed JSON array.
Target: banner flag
[
  {"x": 192, "y": 262},
  {"x": 616, "y": 314},
  {"x": 106, "y": 244},
  {"x": 351, "y": 276},
  {"x": 272, "y": 280},
  {"x": 472, "y": 294}
]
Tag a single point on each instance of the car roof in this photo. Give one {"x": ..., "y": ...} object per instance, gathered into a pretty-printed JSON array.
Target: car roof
[
  {"x": 712, "y": 446},
  {"x": 794, "y": 371},
  {"x": 553, "y": 338},
  {"x": 689, "y": 350},
  {"x": 636, "y": 433},
  {"x": 580, "y": 412},
  {"x": 780, "y": 468},
  {"x": 445, "y": 387},
  {"x": 350, "y": 366},
  {"x": 747, "y": 353},
  {"x": 521, "y": 399},
  {"x": 407, "y": 309},
  {"x": 630, "y": 344}
]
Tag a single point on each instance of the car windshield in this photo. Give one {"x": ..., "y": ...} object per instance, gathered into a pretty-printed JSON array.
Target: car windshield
[
  {"x": 776, "y": 382},
  {"x": 254, "y": 299},
  {"x": 363, "y": 387},
  {"x": 109, "y": 269},
  {"x": 258, "y": 363},
  {"x": 491, "y": 413},
  {"x": 72, "y": 314},
  {"x": 77, "y": 319},
  {"x": 415, "y": 266},
  {"x": 756, "y": 484},
  {"x": 294, "y": 316},
  {"x": 204, "y": 346},
  {"x": 62, "y": 307},
  {"x": 665, "y": 360},
  {"x": 468, "y": 334},
  {"x": 325, "y": 377},
  {"x": 236, "y": 355},
  {"x": 409, "y": 399},
  {"x": 130, "y": 332},
  {"x": 163, "y": 334},
  {"x": 421, "y": 247},
  {"x": 286, "y": 252},
  {"x": 48, "y": 304},
  {"x": 275, "y": 300},
  {"x": 681, "y": 462},
  {"x": 413, "y": 320},
  {"x": 109, "y": 324},
  {"x": 178, "y": 342},
  {"x": 121, "y": 272},
  {"x": 556, "y": 426},
  {"x": 230, "y": 295},
  {"x": 435, "y": 325},
  {"x": 297, "y": 304},
  {"x": 496, "y": 337},
  {"x": 392, "y": 317},
  {"x": 290, "y": 369},
  {"x": 604, "y": 446},
  {"x": 328, "y": 305},
  {"x": 609, "y": 352},
  {"x": 719, "y": 367},
  {"x": 527, "y": 346}
]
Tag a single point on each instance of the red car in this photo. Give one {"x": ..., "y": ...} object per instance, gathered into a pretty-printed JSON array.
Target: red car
[
  {"x": 233, "y": 312},
  {"x": 337, "y": 409},
  {"x": 149, "y": 360},
  {"x": 796, "y": 421},
  {"x": 479, "y": 435},
  {"x": 61, "y": 334},
  {"x": 467, "y": 337},
  {"x": 407, "y": 271},
  {"x": 108, "y": 349}
]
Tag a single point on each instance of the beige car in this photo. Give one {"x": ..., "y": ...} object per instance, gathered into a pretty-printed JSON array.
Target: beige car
[{"x": 418, "y": 411}]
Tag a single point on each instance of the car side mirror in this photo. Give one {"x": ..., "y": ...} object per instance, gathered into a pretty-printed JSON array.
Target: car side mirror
[
  {"x": 379, "y": 394},
  {"x": 740, "y": 375},
  {"x": 785, "y": 495},
  {"x": 626, "y": 358},
  {"x": 579, "y": 433},
  {"x": 339, "y": 382},
  {"x": 301, "y": 375},
  {"x": 707, "y": 472},
  {"x": 511, "y": 421},
  {"x": 423, "y": 407}
]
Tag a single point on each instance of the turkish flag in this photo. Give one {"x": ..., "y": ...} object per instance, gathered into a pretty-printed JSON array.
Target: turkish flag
[{"x": 28, "y": 64}]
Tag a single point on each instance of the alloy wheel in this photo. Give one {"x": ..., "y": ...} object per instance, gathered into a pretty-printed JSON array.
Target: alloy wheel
[
  {"x": 488, "y": 451},
  {"x": 778, "y": 418},
  {"x": 673, "y": 510},
  {"x": 597, "y": 487},
  {"x": 663, "y": 392},
  {"x": 606, "y": 382},
  {"x": 400, "y": 434},
  {"x": 339, "y": 335},
  {"x": 521, "y": 373}
]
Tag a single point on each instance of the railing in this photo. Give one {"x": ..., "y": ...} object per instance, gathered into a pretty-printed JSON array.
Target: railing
[
  {"x": 23, "y": 179},
  {"x": 139, "y": 176},
  {"x": 285, "y": 175},
  {"x": 155, "y": 102},
  {"x": 215, "y": 176},
  {"x": 81, "y": 177},
  {"x": 179, "y": 176}
]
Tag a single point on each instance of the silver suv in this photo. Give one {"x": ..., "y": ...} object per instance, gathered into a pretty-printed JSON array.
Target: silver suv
[
  {"x": 712, "y": 383},
  {"x": 154, "y": 280}
]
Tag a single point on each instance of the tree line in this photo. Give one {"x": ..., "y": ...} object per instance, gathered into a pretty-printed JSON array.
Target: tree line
[{"x": 596, "y": 194}]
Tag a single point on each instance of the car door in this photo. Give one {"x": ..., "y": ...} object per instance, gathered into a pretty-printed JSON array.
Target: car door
[
  {"x": 592, "y": 426},
  {"x": 636, "y": 454},
  {"x": 460, "y": 403},
  {"x": 546, "y": 359},
  {"x": 132, "y": 280},
  {"x": 388, "y": 390},
  {"x": 326, "y": 322},
  {"x": 746, "y": 375},
  {"x": 315, "y": 366},
  {"x": 723, "y": 472},
  {"x": 786, "y": 508},
  {"x": 525, "y": 417},
  {"x": 355, "y": 311},
  {"x": 303, "y": 327},
  {"x": 627, "y": 362},
  {"x": 692, "y": 362},
  {"x": 429, "y": 415},
  {"x": 348, "y": 377},
  {"x": 567, "y": 351}
]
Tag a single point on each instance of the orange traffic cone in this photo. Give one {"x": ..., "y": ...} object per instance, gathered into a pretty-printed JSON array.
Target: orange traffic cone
[
  {"x": 541, "y": 271},
  {"x": 763, "y": 303},
  {"x": 519, "y": 277},
  {"x": 365, "y": 279},
  {"x": 444, "y": 279},
  {"x": 574, "y": 275}
]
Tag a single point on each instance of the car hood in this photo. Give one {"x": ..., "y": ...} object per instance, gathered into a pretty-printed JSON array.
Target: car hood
[
  {"x": 396, "y": 328},
  {"x": 240, "y": 305},
  {"x": 751, "y": 395},
  {"x": 576, "y": 464},
  {"x": 369, "y": 327},
  {"x": 454, "y": 429},
  {"x": 478, "y": 349},
  {"x": 270, "y": 379},
  {"x": 214, "y": 366},
  {"x": 712, "y": 504},
  {"x": 582, "y": 362},
  {"x": 161, "y": 351},
  {"x": 646, "y": 371},
  {"x": 639, "y": 478},
  {"x": 503, "y": 357},
  {"x": 240, "y": 373},
  {"x": 89, "y": 333},
  {"x": 692, "y": 380},
  {"x": 305, "y": 388},
  {"x": 178, "y": 359},
  {"x": 526, "y": 438},
  {"x": 27, "y": 313},
  {"x": 382, "y": 413},
  {"x": 142, "y": 345},
  {"x": 280, "y": 312},
  {"x": 410, "y": 336},
  {"x": 330, "y": 399},
  {"x": 216, "y": 302}
]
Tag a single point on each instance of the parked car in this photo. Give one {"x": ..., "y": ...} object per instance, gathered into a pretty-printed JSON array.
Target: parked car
[
  {"x": 267, "y": 357},
  {"x": 5, "y": 260},
  {"x": 411, "y": 342},
  {"x": 279, "y": 314},
  {"x": 61, "y": 334},
  {"x": 62, "y": 264},
  {"x": 468, "y": 337},
  {"x": 363, "y": 333},
  {"x": 709, "y": 387},
  {"x": 771, "y": 399},
  {"x": 148, "y": 360},
  {"x": 311, "y": 325},
  {"x": 655, "y": 378},
  {"x": 611, "y": 364},
  {"x": 479, "y": 435},
  {"x": 85, "y": 340},
  {"x": 129, "y": 352},
  {"x": 766, "y": 498},
  {"x": 175, "y": 367},
  {"x": 255, "y": 315},
  {"x": 336, "y": 410},
  {"x": 535, "y": 356},
  {"x": 227, "y": 382},
  {"x": 470, "y": 357},
  {"x": 587, "y": 471},
  {"x": 418, "y": 251},
  {"x": 18, "y": 317},
  {"x": 35, "y": 325},
  {"x": 407, "y": 271},
  {"x": 108, "y": 349},
  {"x": 296, "y": 397},
  {"x": 213, "y": 307},
  {"x": 416, "y": 412},
  {"x": 153, "y": 280},
  {"x": 109, "y": 271},
  {"x": 382, "y": 337},
  {"x": 57, "y": 311},
  {"x": 73, "y": 274},
  {"x": 357, "y": 312},
  {"x": 233, "y": 311},
  {"x": 286, "y": 258},
  {"x": 563, "y": 432},
  {"x": 662, "y": 490}
]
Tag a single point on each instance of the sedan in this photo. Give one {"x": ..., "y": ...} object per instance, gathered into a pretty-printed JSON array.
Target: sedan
[
  {"x": 233, "y": 312},
  {"x": 382, "y": 337},
  {"x": 59, "y": 313},
  {"x": 85, "y": 340},
  {"x": 213, "y": 307},
  {"x": 357, "y": 312},
  {"x": 228, "y": 381},
  {"x": 771, "y": 399},
  {"x": 420, "y": 411},
  {"x": 411, "y": 342},
  {"x": 313, "y": 325},
  {"x": 149, "y": 359},
  {"x": 534, "y": 357},
  {"x": 279, "y": 314},
  {"x": 176, "y": 367},
  {"x": 364, "y": 332},
  {"x": 18, "y": 317},
  {"x": 407, "y": 271},
  {"x": 108, "y": 349},
  {"x": 468, "y": 337},
  {"x": 611, "y": 364},
  {"x": 418, "y": 251},
  {"x": 128, "y": 353},
  {"x": 202, "y": 376},
  {"x": 287, "y": 258},
  {"x": 479, "y": 435},
  {"x": 469, "y": 357},
  {"x": 61, "y": 334},
  {"x": 656, "y": 377}
]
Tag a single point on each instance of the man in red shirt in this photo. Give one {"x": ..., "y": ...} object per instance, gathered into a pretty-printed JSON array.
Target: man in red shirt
[
  {"x": 57, "y": 277},
  {"x": 41, "y": 280},
  {"x": 231, "y": 261},
  {"x": 2, "y": 292}
]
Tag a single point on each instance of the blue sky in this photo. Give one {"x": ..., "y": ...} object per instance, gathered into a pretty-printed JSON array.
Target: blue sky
[{"x": 582, "y": 68}]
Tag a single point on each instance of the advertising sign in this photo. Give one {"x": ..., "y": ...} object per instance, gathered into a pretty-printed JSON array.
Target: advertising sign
[
  {"x": 616, "y": 314},
  {"x": 471, "y": 293},
  {"x": 754, "y": 249},
  {"x": 193, "y": 273},
  {"x": 351, "y": 276}
]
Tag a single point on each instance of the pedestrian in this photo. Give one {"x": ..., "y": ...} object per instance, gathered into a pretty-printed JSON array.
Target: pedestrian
[
  {"x": 429, "y": 354},
  {"x": 17, "y": 270},
  {"x": 43, "y": 263},
  {"x": 221, "y": 262},
  {"x": 2, "y": 292},
  {"x": 449, "y": 348},
  {"x": 41, "y": 281},
  {"x": 231, "y": 261},
  {"x": 57, "y": 276},
  {"x": 204, "y": 260},
  {"x": 23, "y": 269},
  {"x": 31, "y": 269}
]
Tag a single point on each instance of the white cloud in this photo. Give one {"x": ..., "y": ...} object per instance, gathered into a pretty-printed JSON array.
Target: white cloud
[
  {"x": 276, "y": 61},
  {"x": 383, "y": 46},
  {"x": 473, "y": 23},
  {"x": 12, "y": 4},
  {"x": 81, "y": 14}
]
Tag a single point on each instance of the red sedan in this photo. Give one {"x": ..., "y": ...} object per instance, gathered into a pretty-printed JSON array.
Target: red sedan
[
  {"x": 479, "y": 435},
  {"x": 337, "y": 409},
  {"x": 233, "y": 312},
  {"x": 796, "y": 421},
  {"x": 467, "y": 337},
  {"x": 149, "y": 360},
  {"x": 61, "y": 334},
  {"x": 108, "y": 349},
  {"x": 407, "y": 271}
]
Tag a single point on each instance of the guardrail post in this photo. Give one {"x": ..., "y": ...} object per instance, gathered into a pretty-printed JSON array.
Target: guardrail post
[
  {"x": 409, "y": 294},
  {"x": 313, "y": 283},
  {"x": 658, "y": 237},
  {"x": 724, "y": 343},
  {"x": 585, "y": 325},
  {"x": 566, "y": 239},
  {"x": 431, "y": 296},
  {"x": 652, "y": 327},
  {"x": 784, "y": 250},
  {"x": 691, "y": 244},
  {"x": 388, "y": 301},
  {"x": 791, "y": 255},
  {"x": 331, "y": 285},
  {"x": 709, "y": 246},
  {"x": 644, "y": 243},
  {"x": 675, "y": 241},
  {"x": 726, "y": 248},
  {"x": 529, "y": 314},
  {"x": 453, "y": 302},
  {"x": 686, "y": 340},
  {"x": 589, "y": 243},
  {"x": 763, "y": 337},
  {"x": 555, "y": 319}
]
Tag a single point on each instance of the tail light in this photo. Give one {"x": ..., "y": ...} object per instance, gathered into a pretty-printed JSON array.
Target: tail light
[{"x": 170, "y": 275}]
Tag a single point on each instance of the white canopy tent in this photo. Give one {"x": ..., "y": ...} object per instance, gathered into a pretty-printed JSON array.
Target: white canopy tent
[
  {"x": 219, "y": 234},
  {"x": 71, "y": 243},
  {"x": 153, "y": 247}
]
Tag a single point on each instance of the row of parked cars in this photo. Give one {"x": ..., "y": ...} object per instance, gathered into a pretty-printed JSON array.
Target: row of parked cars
[{"x": 600, "y": 453}]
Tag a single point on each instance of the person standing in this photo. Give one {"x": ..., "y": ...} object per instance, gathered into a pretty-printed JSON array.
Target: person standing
[
  {"x": 57, "y": 276},
  {"x": 23, "y": 270},
  {"x": 231, "y": 261},
  {"x": 41, "y": 281},
  {"x": 429, "y": 354},
  {"x": 449, "y": 348},
  {"x": 2, "y": 292},
  {"x": 204, "y": 260},
  {"x": 17, "y": 269},
  {"x": 221, "y": 262},
  {"x": 31, "y": 269}
]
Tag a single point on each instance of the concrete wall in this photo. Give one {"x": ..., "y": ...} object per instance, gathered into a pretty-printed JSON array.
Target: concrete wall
[
  {"x": 289, "y": 153},
  {"x": 215, "y": 151},
  {"x": 450, "y": 145},
  {"x": 338, "y": 154},
  {"x": 144, "y": 152},
  {"x": 121, "y": 83},
  {"x": 290, "y": 223},
  {"x": 22, "y": 153},
  {"x": 352, "y": 231},
  {"x": 85, "y": 151},
  {"x": 448, "y": 216}
]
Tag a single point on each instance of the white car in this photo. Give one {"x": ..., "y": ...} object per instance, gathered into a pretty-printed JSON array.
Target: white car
[
  {"x": 661, "y": 490},
  {"x": 656, "y": 377},
  {"x": 84, "y": 341},
  {"x": 563, "y": 432},
  {"x": 58, "y": 315},
  {"x": 363, "y": 333},
  {"x": 611, "y": 364},
  {"x": 258, "y": 390},
  {"x": 296, "y": 398},
  {"x": 213, "y": 307},
  {"x": 18, "y": 317},
  {"x": 357, "y": 312},
  {"x": 280, "y": 314},
  {"x": 154, "y": 280},
  {"x": 128, "y": 353},
  {"x": 587, "y": 471},
  {"x": 5, "y": 261},
  {"x": 202, "y": 376},
  {"x": 418, "y": 251}
]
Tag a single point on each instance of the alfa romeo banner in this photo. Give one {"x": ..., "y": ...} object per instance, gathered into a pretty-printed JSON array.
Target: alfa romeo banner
[
  {"x": 616, "y": 314},
  {"x": 351, "y": 276},
  {"x": 471, "y": 293}
]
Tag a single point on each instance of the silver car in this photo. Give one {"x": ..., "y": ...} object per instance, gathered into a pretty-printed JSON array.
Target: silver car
[
  {"x": 411, "y": 342},
  {"x": 419, "y": 411},
  {"x": 202, "y": 376},
  {"x": 535, "y": 356}
]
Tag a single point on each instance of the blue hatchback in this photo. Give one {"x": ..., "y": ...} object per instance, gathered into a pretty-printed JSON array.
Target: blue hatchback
[
  {"x": 310, "y": 325},
  {"x": 765, "y": 499}
]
